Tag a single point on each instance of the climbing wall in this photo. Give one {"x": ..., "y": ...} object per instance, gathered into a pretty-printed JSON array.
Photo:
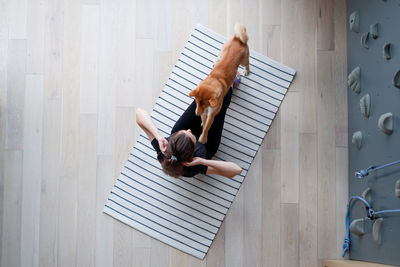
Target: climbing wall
[{"x": 376, "y": 147}]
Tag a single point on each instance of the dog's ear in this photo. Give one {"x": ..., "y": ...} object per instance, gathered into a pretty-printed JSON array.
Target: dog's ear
[
  {"x": 194, "y": 92},
  {"x": 213, "y": 102}
]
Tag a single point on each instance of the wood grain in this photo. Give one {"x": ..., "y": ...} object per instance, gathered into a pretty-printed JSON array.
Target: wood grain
[
  {"x": 11, "y": 239},
  {"x": 32, "y": 170},
  {"x": 308, "y": 216},
  {"x": 98, "y": 61},
  {"x": 289, "y": 255},
  {"x": 16, "y": 64},
  {"x": 271, "y": 207},
  {"x": 86, "y": 195}
]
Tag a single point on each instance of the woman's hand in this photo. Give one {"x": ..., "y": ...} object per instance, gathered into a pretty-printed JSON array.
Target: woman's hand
[
  {"x": 162, "y": 143},
  {"x": 194, "y": 161}
]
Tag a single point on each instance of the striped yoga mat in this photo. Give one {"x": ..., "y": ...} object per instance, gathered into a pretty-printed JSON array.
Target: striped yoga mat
[{"x": 187, "y": 213}]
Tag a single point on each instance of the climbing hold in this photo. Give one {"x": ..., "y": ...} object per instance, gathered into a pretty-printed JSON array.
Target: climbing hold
[
  {"x": 354, "y": 21},
  {"x": 386, "y": 51},
  {"x": 373, "y": 30},
  {"x": 357, "y": 227},
  {"x": 364, "y": 40},
  {"x": 385, "y": 123},
  {"x": 365, "y": 103},
  {"x": 397, "y": 189},
  {"x": 396, "y": 79},
  {"x": 357, "y": 139},
  {"x": 376, "y": 231},
  {"x": 366, "y": 194},
  {"x": 353, "y": 80}
]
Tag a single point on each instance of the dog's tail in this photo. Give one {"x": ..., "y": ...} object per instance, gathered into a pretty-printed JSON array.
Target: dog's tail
[{"x": 240, "y": 32}]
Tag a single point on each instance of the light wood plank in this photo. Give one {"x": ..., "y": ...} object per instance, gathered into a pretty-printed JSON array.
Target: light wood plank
[
  {"x": 177, "y": 257},
  {"x": 144, "y": 19},
  {"x": 271, "y": 12},
  {"x": 163, "y": 66},
  {"x": 16, "y": 63},
  {"x": 104, "y": 223},
  {"x": 89, "y": 59},
  {"x": 252, "y": 20},
  {"x": 108, "y": 72},
  {"x": 289, "y": 148},
  {"x": 17, "y": 17},
  {"x": 3, "y": 20},
  {"x": 181, "y": 29},
  {"x": 141, "y": 257},
  {"x": 54, "y": 36},
  {"x": 36, "y": 36},
  {"x": 122, "y": 244},
  {"x": 123, "y": 234},
  {"x": 235, "y": 14},
  {"x": 126, "y": 54},
  {"x": 252, "y": 239},
  {"x": 326, "y": 158},
  {"x": 49, "y": 199},
  {"x": 11, "y": 239},
  {"x": 86, "y": 206},
  {"x": 308, "y": 215},
  {"x": 234, "y": 232},
  {"x": 325, "y": 25},
  {"x": 69, "y": 171},
  {"x": 198, "y": 12},
  {"x": 340, "y": 74},
  {"x": 159, "y": 253},
  {"x": 32, "y": 170},
  {"x": 3, "y": 119},
  {"x": 217, "y": 14},
  {"x": 141, "y": 249},
  {"x": 272, "y": 41},
  {"x": 289, "y": 255},
  {"x": 298, "y": 29},
  {"x": 271, "y": 207},
  {"x": 162, "y": 25},
  {"x": 271, "y": 47},
  {"x": 342, "y": 193},
  {"x": 216, "y": 253},
  {"x": 143, "y": 88}
]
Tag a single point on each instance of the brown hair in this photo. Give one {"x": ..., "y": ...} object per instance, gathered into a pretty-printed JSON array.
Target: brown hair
[{"x": 180, "y": 149}]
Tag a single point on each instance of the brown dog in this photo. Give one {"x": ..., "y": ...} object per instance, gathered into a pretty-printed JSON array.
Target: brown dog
[{"x": 210, "y": 93}]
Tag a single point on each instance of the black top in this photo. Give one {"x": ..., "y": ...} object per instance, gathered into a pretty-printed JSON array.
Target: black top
[{"x": 200, "y": 151}]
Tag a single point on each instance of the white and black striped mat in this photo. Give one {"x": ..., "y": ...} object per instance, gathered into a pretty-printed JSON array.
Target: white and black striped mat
[{"x": 187, "y": 213}]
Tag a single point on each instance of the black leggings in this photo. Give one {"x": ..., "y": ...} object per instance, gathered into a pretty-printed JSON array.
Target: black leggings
[{"x": 189, "y": 120}]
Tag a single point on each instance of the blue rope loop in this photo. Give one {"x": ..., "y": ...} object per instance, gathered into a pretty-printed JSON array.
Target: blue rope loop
[
  {"x": 362, "y": 173},
  {"x": 371, "y": 214}
]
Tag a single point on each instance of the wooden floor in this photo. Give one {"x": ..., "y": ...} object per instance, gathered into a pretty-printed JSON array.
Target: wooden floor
[{"x": 72, "y": 74}]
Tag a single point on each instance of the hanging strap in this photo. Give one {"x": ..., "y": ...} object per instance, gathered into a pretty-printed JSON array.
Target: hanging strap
[
  {"x": 362, "y": 173},
  {"x": 371, "y": 214}
]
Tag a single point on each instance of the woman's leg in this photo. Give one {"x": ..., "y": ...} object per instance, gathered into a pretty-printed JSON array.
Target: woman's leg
[
  {"x": 189, "y": 120},
  {"x": 214, "y": 135}
]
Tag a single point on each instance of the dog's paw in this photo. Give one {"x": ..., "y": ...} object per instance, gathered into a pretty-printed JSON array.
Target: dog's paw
[
  {"x": 246, "y": 72},
  {"x": 203, "y": 139}
]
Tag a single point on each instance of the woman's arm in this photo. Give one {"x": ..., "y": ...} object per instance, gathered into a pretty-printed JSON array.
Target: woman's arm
[
  {"x": 224, "y": 168},
  {"x": 145, "y": 122}
]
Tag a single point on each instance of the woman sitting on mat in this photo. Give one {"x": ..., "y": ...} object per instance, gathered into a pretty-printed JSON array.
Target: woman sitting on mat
[{"x": 181, "y": 154}]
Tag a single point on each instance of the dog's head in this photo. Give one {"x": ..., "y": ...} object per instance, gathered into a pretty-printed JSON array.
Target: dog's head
[{"x": 205, "y": 96}]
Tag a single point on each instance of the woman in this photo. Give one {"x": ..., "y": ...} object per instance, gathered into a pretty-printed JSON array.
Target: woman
[{"x": 181, "y": 154}]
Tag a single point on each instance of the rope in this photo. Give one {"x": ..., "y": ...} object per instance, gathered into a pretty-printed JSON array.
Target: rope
[
  {"x": 362, "y": 173},
  {"x": 370, "y": 214}
]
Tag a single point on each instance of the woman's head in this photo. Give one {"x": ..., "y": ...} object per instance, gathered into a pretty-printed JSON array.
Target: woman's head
[{"x": 181, "y": 146}]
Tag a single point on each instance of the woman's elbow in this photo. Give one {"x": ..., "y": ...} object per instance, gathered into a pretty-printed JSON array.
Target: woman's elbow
[
  {"x": 236, "y": 171},
  {"x": 139, "y": 116}
]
